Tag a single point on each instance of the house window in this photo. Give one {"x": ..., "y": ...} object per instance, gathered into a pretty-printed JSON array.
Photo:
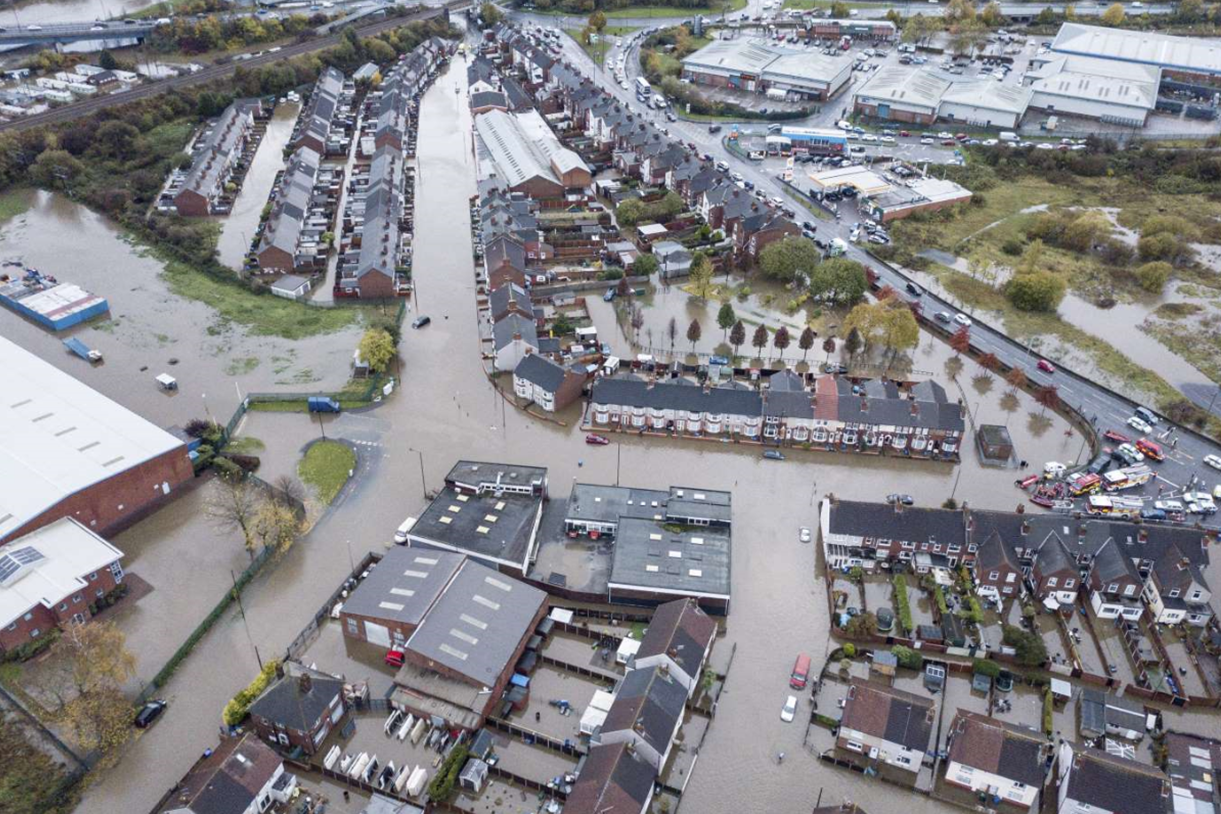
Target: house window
[
  {"x": 903, "y": 760},
  {"x": 1113, "y": 588},
  {"x": 854, "y": 746},
  {"x": 908, "y": 544},
  {"x": 76, "y": 600},
  {"x": 1196, "y": 596},
  {"x": 994, "y": 575},
  {"x": 1174, "y": 593},
  {"x": 116, "y": 571},
  {"x": 1129, "y": 591},
  {"x": 99, "y": 592},
  {"x": 35, "y": 633},
  {"x": 1010, "y": 577},
  {"x": 93, "y": 577},
  {"x": 1051, "y": 582},
  {"x": 953, "y": 548},
  {"x": 13, "y": 626},
  {"x": 63, "y": 606},
  {"x": 1069, "y": 583},
  {"x": 352, "y": 628}
]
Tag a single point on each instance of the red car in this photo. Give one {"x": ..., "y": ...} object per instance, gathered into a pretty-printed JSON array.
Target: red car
[
  {"x": 905, "y": 133},
  {"x": 961, "y": 136},
  {"x": 949, "y": 143},
  {"x": 1046, "y": 366},
  {"x": 394, "y": 658},
  {"x": 1117, "y": 437},
  {"x": 597, "y": 440}
]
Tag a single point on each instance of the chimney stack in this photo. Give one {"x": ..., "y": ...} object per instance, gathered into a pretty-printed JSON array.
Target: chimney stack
[{"x": 305, "y": 683}]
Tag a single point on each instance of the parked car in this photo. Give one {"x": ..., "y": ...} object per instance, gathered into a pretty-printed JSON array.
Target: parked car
[
  {"x": 1146, "y": 415},
  {"x": 942, "y": 316},
  {"x": 1053, "y": 469},
  {"x": 148, "y": 713},
  {"x": 1152, "y": 514},
  {"x": 773, "y": 454},
  {"x": 420, "y": 322},
  {"x": 1130, "y": 454},
  {"x": 1213, "y": 460},
  {"x": 906, "y": 500},
  {"x": 597, "y": 440},
  {"x": 801, "y": 672},
  {"x": 1139, "y": 424},
  {"x": 1117, "y": 437},
  {"x": 963, "y": 319},
  {"x": 394, "y": 657},
  {"x": 789, "y": 711},
  {"x": 1045, "y": 366},
  {"x": 609, "y": 295},
  {"x": 914, "y": 289}
]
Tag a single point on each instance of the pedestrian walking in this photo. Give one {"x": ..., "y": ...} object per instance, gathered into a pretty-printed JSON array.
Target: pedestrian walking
[{"x": 1174, "y": 442}]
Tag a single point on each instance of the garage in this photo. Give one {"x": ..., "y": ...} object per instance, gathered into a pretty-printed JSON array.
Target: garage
[{"x": 377, "y": 634}]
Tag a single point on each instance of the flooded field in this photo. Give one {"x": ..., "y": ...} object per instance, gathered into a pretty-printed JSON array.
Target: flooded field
[
  {"x": 151, "y": 330},
  {"x": 446, "y": 410}
]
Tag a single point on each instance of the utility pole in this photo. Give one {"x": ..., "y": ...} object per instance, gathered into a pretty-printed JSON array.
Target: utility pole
[
  {"x": 321, "y": 426},
  {"x": 238, "y": 596}
]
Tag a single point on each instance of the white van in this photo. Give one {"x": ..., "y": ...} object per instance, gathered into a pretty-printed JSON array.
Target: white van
[
  {"x": 1008, "y": 135},
  {"x": 400, "y": 536}
]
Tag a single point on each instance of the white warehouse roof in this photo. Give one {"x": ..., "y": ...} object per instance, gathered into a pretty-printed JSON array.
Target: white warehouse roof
[
  {"x": 1146, "y": 47},
  {"x": 901, "y": 85},
  {"x": 989, "y": 95},
  {"x": 522, "y": 146},
  {"x": 1099, "y": 80},
  {"x": 59, "y": 436}
]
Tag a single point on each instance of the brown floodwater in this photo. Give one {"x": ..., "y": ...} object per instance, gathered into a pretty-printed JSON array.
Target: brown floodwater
[{"x": 447, "y": 409}]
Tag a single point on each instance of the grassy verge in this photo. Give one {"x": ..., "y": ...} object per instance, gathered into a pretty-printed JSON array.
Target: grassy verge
[
  {"x": 597, "y": 51},
  {"x": 325, "y": 467},
  {"x": 13, "y": 203},
  {"x": 262, "y": 314}
]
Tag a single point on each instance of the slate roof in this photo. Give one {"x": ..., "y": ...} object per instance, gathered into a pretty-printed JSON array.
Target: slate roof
[
  {"x": 1001, "y": 748},
  {"x": 489, "y": 98},
  {"x": 879, "y": 522},
  {"x": 228, "y": 780},
  {"x": 505, "y": 252},
  {"x": 1174, "y": 570},
  {"x": 1113, "y": 783},
  {"x": 673, "y": 397},
  {"x": 502, "y": 298},
  {"x": 1053, "y": 557},
  {"x": 1192, "y": 763},
  {"x": 285, "y": 702},
  {"x": 890, "y": 714},
  {"x": 1112, "y": 565},
  {"x": 541, "y": 371},
  {"x": 404, "y": 584},
  {"x": 514, "y": 324},
  {"x": 681, "y": 629},
  {"x": 993, "y": 553},
  {"x": 612, "y": 780},
  {"x": 651, "y": 700}
]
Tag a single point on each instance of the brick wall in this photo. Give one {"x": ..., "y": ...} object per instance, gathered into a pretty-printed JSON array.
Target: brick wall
[
  {"x": 43, "y": 620},
  {"x": 117, "y": 502}
]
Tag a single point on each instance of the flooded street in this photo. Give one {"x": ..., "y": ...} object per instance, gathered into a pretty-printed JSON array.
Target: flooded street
[
  {"x": 237, "y": 228},
  {"x": 150, "y": 329},
  {"x": 445, "y": 410}
]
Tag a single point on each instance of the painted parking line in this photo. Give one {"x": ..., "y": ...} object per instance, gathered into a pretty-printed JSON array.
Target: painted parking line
[{"x": 1166, "y": 480}]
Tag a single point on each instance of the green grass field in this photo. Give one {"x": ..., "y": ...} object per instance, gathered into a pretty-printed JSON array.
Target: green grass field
[
  {"x": 325, "y": 467},
  {"x": 13, "y": 203}
]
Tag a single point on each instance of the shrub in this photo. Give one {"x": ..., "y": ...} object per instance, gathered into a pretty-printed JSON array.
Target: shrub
[
  {"x": 1049, "y": 723},
  {"x": 907, "y": 657},
  {"x": 1028, "y": 646},
  {"x": 1012, "y": 247},
  {"x": 30, "y": 649},
  {"x": 974, "y": 612},
  {"x": 239, "y": 705},
  {"x": 446, "y": 779},
  {"x": 939, "y": 596},
  {"x": 850, "y": 650},
  {"x": 1039, "y": 290},
  {"x": 1152, "y": 276},
  {"x": 986, "y": 667}
]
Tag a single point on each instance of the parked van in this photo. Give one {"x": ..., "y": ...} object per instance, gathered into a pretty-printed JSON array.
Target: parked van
[
  {"x": 400, "y": 536},
  {"x": 801, "y": 672},
  {"x": 1007, "y": 135},
  {"x": 322, "y": 404}
]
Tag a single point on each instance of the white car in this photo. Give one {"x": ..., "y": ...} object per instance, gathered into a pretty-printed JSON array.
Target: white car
[
  {"x": 1053, "y": 469},
  {"x": 926, "y": 140},
  {"x": 963, "y": 320},
  {"x": 1045, "y": 146},
  {"x": 869, "y": 137},
  {"x": 887, "y": 139},
  {"x": 777, "y": 200},
  {"x": 1139, "y": 424},
  {"x": 1213, "y": 460},
  {"x": 945, "y": 134},
  {"x": 805, "y": 532},
  {"x": 790, "y": 709},
  {"x": 989, "y": 142}
]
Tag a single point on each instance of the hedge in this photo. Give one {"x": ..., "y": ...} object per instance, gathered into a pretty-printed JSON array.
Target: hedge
[
  {"x": 446, "y": 778},
  {"x": 239, "y": 704},
  {"x": 30, "y": 649},
  {"x": 1049, "y": 724},
  {"x": 902, "y": 606},
  {"x": 907, "y": 657},
  {"x": 986, "y": 668},
  {"x": 939, "y": 595}
]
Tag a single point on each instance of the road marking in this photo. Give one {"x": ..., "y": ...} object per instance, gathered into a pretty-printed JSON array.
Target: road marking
[{"x": 1166, "y": 480}]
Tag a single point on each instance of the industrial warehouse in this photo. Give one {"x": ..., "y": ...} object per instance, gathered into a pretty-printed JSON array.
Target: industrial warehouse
[
  {"x": 68, "y": 451},
  {"x": 757, "y": 66}
]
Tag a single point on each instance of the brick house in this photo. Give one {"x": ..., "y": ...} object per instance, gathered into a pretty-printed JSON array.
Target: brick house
[
  {"x": 299, "y": 710},
  {"x": 1177, "y": 591},
  {"x": 885, "y": 729},
  {"x": 1115, "y": 584},
  {"x": 552, "y": 387},
  {"x": 1055, "y": 573},
  {"x": 240, "y": 776},
  {"x": 51, "y": 577},
  {"x": 998, "y": 574},
  {"x": 997, "y": 758}
]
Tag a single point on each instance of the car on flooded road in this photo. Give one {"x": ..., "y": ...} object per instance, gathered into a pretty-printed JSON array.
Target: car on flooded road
[
  {"x": 789, "y": 711},
  {"x": 773, "y": 454}
]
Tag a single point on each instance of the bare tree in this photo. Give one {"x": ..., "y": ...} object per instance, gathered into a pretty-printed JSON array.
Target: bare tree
[
  {"x": 233, "y": 504},
  {"x": 289, "y": 488}
]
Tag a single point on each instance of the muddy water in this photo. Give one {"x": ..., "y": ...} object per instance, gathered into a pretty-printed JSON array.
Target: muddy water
[
  {"x": 149, "y": 327},
  {"x": 237, "y": 229}
]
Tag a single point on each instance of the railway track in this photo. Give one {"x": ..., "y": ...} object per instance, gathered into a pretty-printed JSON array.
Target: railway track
[{"x": 212, "y": 73}]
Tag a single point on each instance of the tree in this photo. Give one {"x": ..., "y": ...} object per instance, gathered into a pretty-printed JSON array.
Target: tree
[
  {"x": 961, "y": 340},
  {"x": 853, "y": 343},
  {"x": 989, "y": 362},
  {"x": 806, "y": 341},
  {"x": 1028, "y": 646},
  {"x": 958, "y": 10},
  {"x": 1048, "y": 396},
  {"x": 861, "y": 626},
  {"x": 597, "y": 21},
  {"x": 840, "y": 10},
  {"x": 1016, "y": 379},
  {"x": 737, "y": 335},
  {"x": 55, "y": 169},
  {"x": 759, "y": 340},
  {"x": 693, "y": 333},
  {"x": 97, "y": 665},
  {"x": 919, "y": 28},
  {"x": 828, "y": 346},
  {"x": 377, "y": 348},
  {"x": 637, "y": 320},
  {"x": 232, "y": 505},
  {"x": 1153, "y": 276},
  {"x": 992, "y": 15},
  {"x": 490, "y": 14},
  {"x": 288, "y": 490},
  {"x": 839, "y": 281},
  {"x": 725, "y": 318},
  {"x": 276, "y": 525},
  {"x": 1035, "y": 290},
  {"x": 789, "y": 259},
  {"x": 672, "y": 332},
  {"x": 1114, "y": 15},
  {"x": 629, "y": 212},
  {"x": 700, "y": 276},
  {"x": 1046, "y": 17},
  {"x": 967, "y": 35},
  {"x": 781, "y": 340},
  {"x": 888, "y": 322},
  {"x": 645, "y": 265}
]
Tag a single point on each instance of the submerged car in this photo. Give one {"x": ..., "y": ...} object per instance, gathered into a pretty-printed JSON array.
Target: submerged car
[
  {"x": 789, "y": 711},
  {"x": 597, "y": 440},
  {"x": 773, "y": 454}
]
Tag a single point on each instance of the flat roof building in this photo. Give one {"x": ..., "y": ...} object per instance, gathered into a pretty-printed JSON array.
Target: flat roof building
[
  {"x": 390, "y": 603},
  {"x": 652, "y": 558},
  {"x": 67, "y": 450},
  {"x": 917, "y": 195},
  {"x": 487, "y": 510},
  {"x": 1182, "y": 55},
  {"x": 900, "y": 93}
]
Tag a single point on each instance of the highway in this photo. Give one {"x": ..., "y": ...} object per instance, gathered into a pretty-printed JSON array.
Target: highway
[
  {"x": 212, "y": 73},
  {"x": 71, "y": 32},
  {"x": 1095, "y": 404}
]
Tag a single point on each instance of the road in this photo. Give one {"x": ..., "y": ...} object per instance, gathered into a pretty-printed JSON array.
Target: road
[
  {"x": 212, "y": 73},
  {"x": 1091, "y": 401}
]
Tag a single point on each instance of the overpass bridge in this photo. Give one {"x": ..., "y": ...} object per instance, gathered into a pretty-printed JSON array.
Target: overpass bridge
[{"x": 63, "y": 33}]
